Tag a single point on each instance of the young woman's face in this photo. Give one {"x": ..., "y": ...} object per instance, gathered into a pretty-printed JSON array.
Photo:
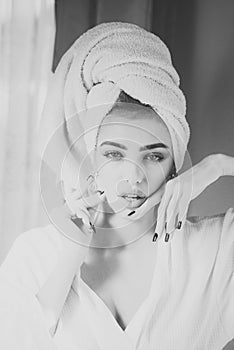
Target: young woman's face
[{"x": 123, "y": 161}]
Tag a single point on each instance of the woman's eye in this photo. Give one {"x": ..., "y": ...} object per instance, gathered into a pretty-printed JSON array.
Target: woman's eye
[
  {"x": 153, "y": 157},
  {"x": 117, "y": 156},
  {"x": 113, "y": 155}
]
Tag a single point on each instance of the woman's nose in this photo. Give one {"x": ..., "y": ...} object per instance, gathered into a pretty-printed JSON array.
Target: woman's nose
[{"x": 134, "y": 174}]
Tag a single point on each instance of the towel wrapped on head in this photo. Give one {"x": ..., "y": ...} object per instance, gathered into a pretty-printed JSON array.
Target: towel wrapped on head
[{"x": 102, "y": 62}]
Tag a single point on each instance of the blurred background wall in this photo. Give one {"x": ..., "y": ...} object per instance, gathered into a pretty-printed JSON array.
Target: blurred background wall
[
  {"x": 200, "y": 36},
  {"x": 27, "y": 33},
  {"x": 33, "y": 37}
]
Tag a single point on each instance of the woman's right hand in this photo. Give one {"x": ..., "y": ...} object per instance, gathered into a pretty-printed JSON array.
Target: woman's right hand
[
  {"x": 73, "y": 219},
  {"x": 76, "y": 235}
]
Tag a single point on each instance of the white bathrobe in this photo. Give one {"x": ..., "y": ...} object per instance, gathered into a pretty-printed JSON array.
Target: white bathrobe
[{"x": 190, "y": 304}]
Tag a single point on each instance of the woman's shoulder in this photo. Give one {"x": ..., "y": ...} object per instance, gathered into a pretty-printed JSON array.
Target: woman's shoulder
[
  {"x": 219, "y": 226},
  {"x": 32, "y": 257},
  {"x": 211, "y": 218},
  {"x": 39, "y": 242},
  {"x": 197, "y": 221},
  {"x": 40, "y": 235}
]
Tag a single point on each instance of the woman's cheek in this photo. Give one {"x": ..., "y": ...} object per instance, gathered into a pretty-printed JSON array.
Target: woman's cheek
[
  {"x": 108, "y": 183},
  {"x": 103, "y": 180},
  {"x": 154, "y": 181}
]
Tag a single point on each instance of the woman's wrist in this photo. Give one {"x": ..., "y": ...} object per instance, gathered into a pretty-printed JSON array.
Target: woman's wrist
[
  {"x": 222, "y": 164},
  {"x": 72, "y": 235}
]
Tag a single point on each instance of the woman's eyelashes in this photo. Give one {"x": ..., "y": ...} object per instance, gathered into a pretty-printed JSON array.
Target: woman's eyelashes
[{"x": 115, "y": 155}]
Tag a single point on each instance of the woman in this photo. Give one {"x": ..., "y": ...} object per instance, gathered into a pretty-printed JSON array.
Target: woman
[{"x": 112, "y": 271}]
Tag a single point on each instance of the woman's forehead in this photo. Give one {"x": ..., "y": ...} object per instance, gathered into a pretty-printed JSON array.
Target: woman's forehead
[{"x": 136, "y": 125}]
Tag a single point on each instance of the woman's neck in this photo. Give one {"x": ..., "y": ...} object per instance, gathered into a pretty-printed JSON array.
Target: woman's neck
[{"x": 114, "y": 231}]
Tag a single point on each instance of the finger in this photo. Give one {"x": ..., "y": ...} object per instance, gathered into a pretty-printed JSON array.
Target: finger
[
  {"x": 93, "y": 200},
  {"x": 85, "y": 202},
  {"x": 172, "y": 209},
  {"x": 177, "y": 217},
  {"x": 171, "y": 195},
  {"x": 76, "y": 206},
  {"x": 60, "y": 217},
  {"x": 183, "y": 210},
  {"x": 75, "y": 193},
  {"x": 160, "y": 226},
  {"x": 161, "y": 215},
  {"x": 78, "y": 209},
  {"x": 171, "y": 213},
  {"x": 84, "y": 215}
]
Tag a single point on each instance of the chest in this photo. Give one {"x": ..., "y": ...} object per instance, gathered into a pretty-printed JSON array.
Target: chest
[{"x": 122, "y": 287}]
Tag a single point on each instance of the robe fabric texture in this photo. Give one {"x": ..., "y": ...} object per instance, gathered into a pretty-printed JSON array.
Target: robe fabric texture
[{"x": 190, "y": 304}]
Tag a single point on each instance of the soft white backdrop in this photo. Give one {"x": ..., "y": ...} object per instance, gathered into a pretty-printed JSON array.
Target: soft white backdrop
[{"x": 27, "y": 31}]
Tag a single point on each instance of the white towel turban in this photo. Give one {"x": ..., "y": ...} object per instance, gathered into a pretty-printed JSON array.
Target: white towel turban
[{"x": 106, "y": 59}]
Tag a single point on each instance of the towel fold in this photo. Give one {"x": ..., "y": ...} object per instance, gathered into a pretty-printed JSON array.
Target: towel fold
[{"x": 106, "y": 59}]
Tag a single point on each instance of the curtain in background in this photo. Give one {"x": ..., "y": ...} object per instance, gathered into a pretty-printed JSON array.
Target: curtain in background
[{"x": 27, "y": 31}]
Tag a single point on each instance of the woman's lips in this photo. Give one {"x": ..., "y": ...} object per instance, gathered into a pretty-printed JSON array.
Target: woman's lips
[{"x": 134, "y": 202}]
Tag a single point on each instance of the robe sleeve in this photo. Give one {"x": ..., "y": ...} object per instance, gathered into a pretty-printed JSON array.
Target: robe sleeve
[
  {"x": 225, "y": 288},
  {"x": 32, "y": 257}
]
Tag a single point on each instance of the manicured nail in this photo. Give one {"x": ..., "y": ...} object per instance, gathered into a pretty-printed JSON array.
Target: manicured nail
[
  {"x": 155, "y": 237},
  {"x": 167, "y": 237},
  {"x": 92, "y": 227},
  {"x": 100, "y": 192},
  {"x": 179, "y": 225},
  {"x": 132, "y": 212}
]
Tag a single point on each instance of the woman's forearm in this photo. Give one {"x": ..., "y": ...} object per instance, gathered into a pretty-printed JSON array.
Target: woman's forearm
[{"x": 224, "y": 164}]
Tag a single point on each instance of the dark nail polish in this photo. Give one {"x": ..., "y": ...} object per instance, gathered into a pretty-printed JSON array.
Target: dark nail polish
[
  {"x": 179, "y": 225},
  {"x": 167, "y": 237},
  {"x": 132, "y": 212},
  {"x": 101, "y": 192},
  {"x": 155, "y": 237},
  {"x": 93, "y": 227}
]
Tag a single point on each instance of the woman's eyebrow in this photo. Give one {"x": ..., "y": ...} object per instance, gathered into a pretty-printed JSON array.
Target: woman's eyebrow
[{"x": 143, "y": 148}]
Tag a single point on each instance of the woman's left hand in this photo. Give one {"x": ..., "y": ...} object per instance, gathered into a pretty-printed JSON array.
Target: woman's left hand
[{"x": 178, "y": 193}]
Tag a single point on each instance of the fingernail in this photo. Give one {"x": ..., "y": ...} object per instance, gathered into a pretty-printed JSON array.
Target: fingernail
[
  {"x": 132, "y": 212},
  {"x": 179, "y": 225},
  {"x": 155, "y": 237},
  {"x": 100, "y": 192},
  {"x": 92, "y": 227},
  {"x": 167, "y": 237}
]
